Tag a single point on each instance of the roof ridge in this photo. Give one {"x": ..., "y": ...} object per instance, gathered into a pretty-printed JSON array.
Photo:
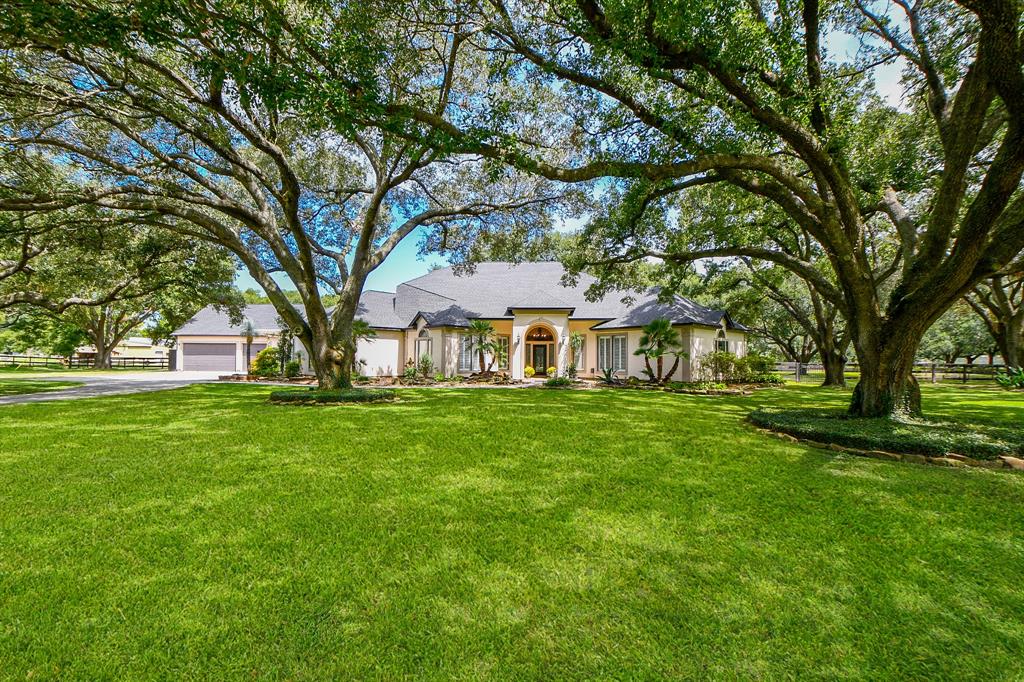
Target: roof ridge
[{"x": 427, "y": 291}]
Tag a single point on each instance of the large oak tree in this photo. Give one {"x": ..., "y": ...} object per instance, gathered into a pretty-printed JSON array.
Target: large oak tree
[
  {"x": 184, "y": 117},
  {"x": 676, "y": 95}
]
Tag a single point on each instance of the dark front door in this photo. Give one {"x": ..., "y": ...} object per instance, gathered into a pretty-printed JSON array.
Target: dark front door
[{"x": 540, "y": 358}]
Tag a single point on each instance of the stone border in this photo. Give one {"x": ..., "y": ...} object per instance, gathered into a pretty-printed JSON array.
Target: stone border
[{"x": 950, "y": 459}]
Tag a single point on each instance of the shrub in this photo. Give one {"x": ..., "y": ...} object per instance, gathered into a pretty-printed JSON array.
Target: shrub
[
  {"x": 919, "y": 436},
  {"x": 558, "y": 382},
  {"x": 317, "y": 397},
  {"x": 426, "y": 365},
  {"x": 608, "y": 376},
  {"x": 552, "y": 371},
  {"x": 410, "y": 372},
  {"x": 570, "y": 370},
  {"x": 529, "y": 372},
  {"x": 440, "y": 377},
  {"x": 292, "y": 368},
  {"x": 267, "y": 363},
  {"x": 1011, "y": 378},
  {"x": 718, "y": 365},
  {"x": 757, "y": 363},
  {"x": 766, "y": 378}
]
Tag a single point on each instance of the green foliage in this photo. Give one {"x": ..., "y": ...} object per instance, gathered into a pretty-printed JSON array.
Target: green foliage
[
  {"x": 292, "y": 368},
  {"x": 658, "y": 340},
  {"x": 927, "y": 437},
  {"x": 719, "y": 365},
  {"x": 1013, "y": 377},
  {"x": 410, "y": 372},
  {"x": 559, "y": 382},
  {"x": 957, "y": 334},
  {"x": 608, "y": 376},
  {"x": 316, "y": 397},
  {"x": 267, "y": 363},
  {"x": 425, "y": 365}
]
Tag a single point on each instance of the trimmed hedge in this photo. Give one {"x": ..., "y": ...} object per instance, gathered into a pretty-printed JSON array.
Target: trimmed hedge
[
  {"x": 917, "y": 436},
  {"x": 314, "y": 397}
]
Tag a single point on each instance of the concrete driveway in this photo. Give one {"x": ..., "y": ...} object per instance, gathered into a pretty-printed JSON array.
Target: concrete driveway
[{"x": 112, "y": 383}]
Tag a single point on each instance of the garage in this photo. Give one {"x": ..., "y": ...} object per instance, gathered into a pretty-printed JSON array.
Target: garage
[{"x": 209, "y": 357}]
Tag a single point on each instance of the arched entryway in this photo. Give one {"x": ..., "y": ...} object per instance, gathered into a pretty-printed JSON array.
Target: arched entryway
[{"x": 541, "y": 351}]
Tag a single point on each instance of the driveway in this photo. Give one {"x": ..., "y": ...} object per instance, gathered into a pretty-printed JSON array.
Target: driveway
[{"x": 112, "y": 383}]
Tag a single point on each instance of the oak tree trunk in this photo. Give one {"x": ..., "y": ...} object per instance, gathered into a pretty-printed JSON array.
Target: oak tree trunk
[
  {"x": 834, "y": 363},
  {"x": 887, "y": 386}
]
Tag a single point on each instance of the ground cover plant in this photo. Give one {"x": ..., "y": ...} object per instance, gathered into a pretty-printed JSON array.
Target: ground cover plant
[
  {"x": 903, "y": 435},
  {"x": 499, "y": 533}
]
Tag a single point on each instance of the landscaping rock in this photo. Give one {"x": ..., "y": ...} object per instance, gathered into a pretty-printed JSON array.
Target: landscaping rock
[
  {"x": 916, "y": 459},
  {"x": 957, "y": 456},
  {"x": 946, "y": 461},
  {"x": 882, "y": 454},
  {"x": 1013, "y": 462}
]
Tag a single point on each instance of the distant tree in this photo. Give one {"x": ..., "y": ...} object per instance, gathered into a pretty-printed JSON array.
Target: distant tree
[
  {"x": 999, "y": 302},
  {"x": 109, "y": 278},
  {"x": 959, "y": 333}
]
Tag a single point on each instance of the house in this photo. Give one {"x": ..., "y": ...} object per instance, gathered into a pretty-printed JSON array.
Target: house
[
  {"x": 532, "y": 311},
  {"x": 131, "y": 347}
]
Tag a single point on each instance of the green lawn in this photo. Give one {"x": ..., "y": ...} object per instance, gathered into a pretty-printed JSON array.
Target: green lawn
[
  {"x": 19, "y": 386},
  {"x": 494, "y": 533}
]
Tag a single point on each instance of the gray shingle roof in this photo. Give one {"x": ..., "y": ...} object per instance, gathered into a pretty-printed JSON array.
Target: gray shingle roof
[
  {"x": 491, "y": 292},
  {"x": 209, "y": 321},
  {"x": 452, "y": 316},
  {"x": 680, "y": 310}
]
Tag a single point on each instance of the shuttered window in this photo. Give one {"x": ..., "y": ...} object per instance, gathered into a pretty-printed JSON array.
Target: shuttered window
[
  {"x": 465, "y": 353},
  {"x": 611, "y": 352}
]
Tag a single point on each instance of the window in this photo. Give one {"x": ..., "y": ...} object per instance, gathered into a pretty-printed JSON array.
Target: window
[
  {"x": 465, "y": 353},
  {"x": 424, "y": 345},
  {"x": 721, "y": 343},
  {"x": 504, "y": 347},
  {"x": 580, "y": 356},
  {"x": 611, "y": 352}
]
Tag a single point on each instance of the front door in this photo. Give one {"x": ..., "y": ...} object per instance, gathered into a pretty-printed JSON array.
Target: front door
[{"x": 540, "y": 358}]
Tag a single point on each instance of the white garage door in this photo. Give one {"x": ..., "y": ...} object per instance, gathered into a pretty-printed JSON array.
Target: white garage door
[{"x": 209, "y": 357}]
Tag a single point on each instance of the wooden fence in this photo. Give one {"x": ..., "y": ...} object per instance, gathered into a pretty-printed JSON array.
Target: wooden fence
[
  {"x": 80, "y": 363},
  {"x": 933, "y": 372}
]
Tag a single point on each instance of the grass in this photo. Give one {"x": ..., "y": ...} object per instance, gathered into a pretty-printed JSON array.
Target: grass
[
  {"x": 315, "y": 397},
  {"x": 505, "y": 534},
  {"x": 20, "y": 386}
]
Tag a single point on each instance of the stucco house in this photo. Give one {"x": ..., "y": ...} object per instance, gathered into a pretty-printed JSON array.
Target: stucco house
[{"x": 532, "y": 313}]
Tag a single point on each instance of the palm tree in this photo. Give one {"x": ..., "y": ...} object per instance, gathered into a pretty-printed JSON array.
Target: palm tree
[
  {"x": 361, "y": 331},
  {"x": 575, "y": 344},
  {"x": 658, "y": 340},
  {"x": 481, "y": 332},
  {"x": 248, "y": 330}
]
